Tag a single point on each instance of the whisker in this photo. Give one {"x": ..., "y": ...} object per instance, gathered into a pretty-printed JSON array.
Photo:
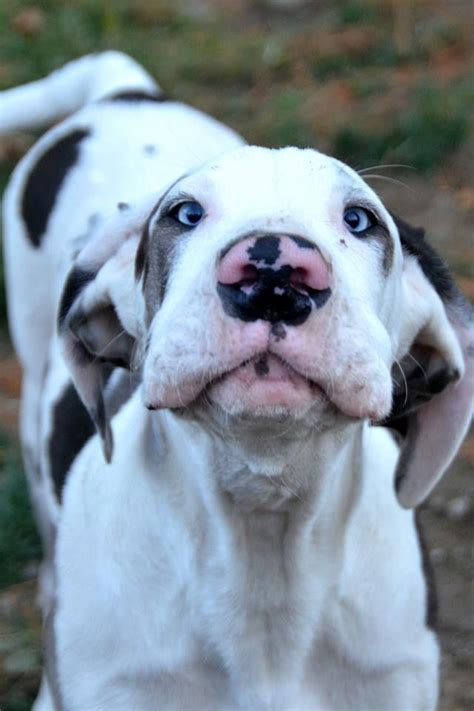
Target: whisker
[
  {"x": 112, "y": 340},
  {"x": 395, "y": 181},
  {"x": 404, "y": 380},
  {"x": 292, "y": 491},
  {"x": 417, "y": 363},
  {"x": 385, "y": 166}
]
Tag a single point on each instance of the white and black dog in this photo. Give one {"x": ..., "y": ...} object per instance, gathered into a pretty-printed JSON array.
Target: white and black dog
[{"x": 234, "y": 322}]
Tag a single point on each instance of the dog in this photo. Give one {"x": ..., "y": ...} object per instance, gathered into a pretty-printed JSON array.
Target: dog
[{"x": 241, "y": 376}]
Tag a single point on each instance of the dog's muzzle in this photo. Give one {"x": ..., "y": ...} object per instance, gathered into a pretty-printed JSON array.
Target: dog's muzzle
[{"x": 276, "y": 278}]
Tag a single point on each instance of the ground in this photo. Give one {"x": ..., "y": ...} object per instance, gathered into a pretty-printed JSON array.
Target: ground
[{"x": 374, "y": 83}]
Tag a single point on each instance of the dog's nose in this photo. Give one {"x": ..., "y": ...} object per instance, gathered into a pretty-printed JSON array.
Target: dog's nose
[{"x": 277, "y": 278}]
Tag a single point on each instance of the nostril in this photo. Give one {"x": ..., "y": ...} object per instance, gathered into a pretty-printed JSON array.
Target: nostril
[
  {"x": 249, "y": 275},
  {"x": 299, "y": 278},
  {"x": 280, "y": 284}
]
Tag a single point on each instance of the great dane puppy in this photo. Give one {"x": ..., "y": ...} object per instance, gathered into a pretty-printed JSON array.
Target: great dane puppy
[{"x": 238, "y": 323}]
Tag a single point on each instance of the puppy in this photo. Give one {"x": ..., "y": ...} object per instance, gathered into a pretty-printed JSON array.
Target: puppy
[{"x": 237, "y": 322}]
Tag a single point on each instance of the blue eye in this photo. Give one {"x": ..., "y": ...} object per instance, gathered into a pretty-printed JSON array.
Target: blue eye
[
  {"x": 359, "y": 219},
  {"x": 188, "y": 213}
]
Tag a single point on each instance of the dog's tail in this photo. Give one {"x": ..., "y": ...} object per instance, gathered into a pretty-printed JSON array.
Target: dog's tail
[{"x": 66, "y": 90}]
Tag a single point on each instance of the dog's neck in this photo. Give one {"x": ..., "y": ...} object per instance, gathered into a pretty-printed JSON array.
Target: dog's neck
[{"x": 286, "y": 467}]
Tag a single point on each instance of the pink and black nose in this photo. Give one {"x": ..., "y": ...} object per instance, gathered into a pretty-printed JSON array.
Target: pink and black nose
[{"x": 276, "y": 278}]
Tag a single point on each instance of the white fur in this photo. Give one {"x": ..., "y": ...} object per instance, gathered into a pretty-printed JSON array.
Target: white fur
[
  {"x": 316, "y": 603},
  {"x": 220, "y": 562}
]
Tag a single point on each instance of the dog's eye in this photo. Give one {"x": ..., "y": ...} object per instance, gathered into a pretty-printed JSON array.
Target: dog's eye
[
  {"x": 188, "y": 213},
  {"x": 359, "y": 219}
]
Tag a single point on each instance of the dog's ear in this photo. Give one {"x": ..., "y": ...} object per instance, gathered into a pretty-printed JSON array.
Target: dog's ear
[
  {"x": 99, "y": 315},
  {"x": 434, "y": 377}
]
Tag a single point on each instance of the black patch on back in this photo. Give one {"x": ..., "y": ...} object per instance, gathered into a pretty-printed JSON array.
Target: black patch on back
[
  {"x": 428, "y": 573},
  {"x": 45, "y": 180},
  {"x": 78, "y": 278},
  {"x": 138, "y": 96},
  {"x": 72, "y": 427},
  {"x": 413, "y": 242}
]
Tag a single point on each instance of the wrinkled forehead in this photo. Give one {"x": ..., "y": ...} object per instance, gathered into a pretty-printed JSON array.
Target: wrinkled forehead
[{"x": 289, "y": 181}]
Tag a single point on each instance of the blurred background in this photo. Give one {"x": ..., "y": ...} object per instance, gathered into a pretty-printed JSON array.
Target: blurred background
[{"x": 376, "y": 84}]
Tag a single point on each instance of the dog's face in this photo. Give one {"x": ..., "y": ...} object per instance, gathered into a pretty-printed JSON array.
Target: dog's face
[
  {"x": 268, "y": 284},
  {"x": 269, "y": 280}
]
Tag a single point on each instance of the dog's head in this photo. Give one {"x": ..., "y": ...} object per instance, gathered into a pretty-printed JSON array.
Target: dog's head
[{"x": 275, "y": 284}]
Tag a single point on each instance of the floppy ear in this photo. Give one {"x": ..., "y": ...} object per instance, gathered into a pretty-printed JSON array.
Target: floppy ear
[
  {"x": 99, "y": 316},
  {"x": 433, "y": 396}
]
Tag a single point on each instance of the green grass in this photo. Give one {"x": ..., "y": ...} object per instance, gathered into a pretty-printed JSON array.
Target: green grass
[
  {"x": 354, "y": 13},
  {"x": 423, "y": 137},
  {"x": 19, "y": 542},
  {"x": 246, "y": 68}
]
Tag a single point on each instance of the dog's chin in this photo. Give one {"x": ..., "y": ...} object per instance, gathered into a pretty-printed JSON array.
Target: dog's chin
[{"x": 265, "y": 387}]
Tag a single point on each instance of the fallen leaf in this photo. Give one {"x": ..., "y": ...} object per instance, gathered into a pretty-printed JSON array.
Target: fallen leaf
[{"x": 29, "y": 22}]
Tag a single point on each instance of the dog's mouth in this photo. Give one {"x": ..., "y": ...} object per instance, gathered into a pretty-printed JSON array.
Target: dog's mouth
[{"x": 264, "y": 385}]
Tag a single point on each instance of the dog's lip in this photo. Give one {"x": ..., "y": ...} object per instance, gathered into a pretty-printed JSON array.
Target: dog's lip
[
  {"x": 262, "y": 359},
  {"x": 265, "y": 370}
]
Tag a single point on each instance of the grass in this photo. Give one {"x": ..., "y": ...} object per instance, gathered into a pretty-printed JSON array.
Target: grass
[
  {"x": 423, "y": 137},
  {"x": 19, "y": 542},
  {"x": 248, "y": 67}
]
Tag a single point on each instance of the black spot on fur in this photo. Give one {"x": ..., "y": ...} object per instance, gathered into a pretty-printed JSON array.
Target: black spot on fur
[
  {"x": 413, "y": 242},
  {"x": 266, "y": 249},
  {"x": 138, "y": 96},
  {"x": 302, "y": 242},
  {"x": 272, "y": 298},
  {"x": 78, "y": 278},
  {"x": 45, "y": 180},
  {"x": 261, "y": 367},
  {"x": 72, "y": 427},
  {"x": 278, "y": 331}
]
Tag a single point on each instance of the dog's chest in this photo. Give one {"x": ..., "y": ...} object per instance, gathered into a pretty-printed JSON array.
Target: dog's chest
[
  {"x": 267, "y": 620},
  {"x": 245, "y": 626}
]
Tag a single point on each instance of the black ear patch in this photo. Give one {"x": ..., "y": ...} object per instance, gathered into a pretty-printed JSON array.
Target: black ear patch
[
  {"x": 78, "y": 279},
  {"x": 414, "y": 243},
  {"x": 415, "y": 386},
  {"x": 45, "y": 180},
  {"x": 418, "y": 378}
]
